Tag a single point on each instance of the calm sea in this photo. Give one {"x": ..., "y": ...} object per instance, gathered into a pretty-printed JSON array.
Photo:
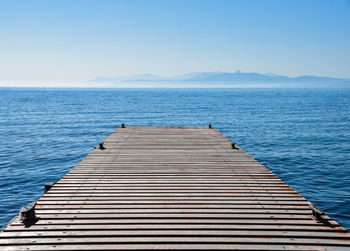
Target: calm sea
[{"x": 302, "y": 135}]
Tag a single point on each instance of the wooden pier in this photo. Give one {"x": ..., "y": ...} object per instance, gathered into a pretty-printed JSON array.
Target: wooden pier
[{"x": 151, "y": 188}]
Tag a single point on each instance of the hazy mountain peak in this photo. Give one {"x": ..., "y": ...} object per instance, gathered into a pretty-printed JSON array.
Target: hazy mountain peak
[{"x": 227, "y": 79}]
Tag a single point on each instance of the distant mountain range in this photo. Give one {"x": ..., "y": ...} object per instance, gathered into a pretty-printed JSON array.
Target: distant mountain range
[{"x": 222, "y": 79}]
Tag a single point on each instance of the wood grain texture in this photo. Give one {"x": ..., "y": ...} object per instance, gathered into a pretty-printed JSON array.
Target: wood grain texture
[{"x": 155, "y": 188}]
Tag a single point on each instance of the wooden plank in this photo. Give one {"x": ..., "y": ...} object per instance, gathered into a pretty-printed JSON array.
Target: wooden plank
[
  {"x": 167, "y": 211},
  {"x": 169, "y": 206},
  {"x": 180, "y": 232},
  {"x": 60, "y": 240},
  {"x": 226, "y": 221},
  {"x": 179, "y": 226},
  {"x": 172, "y": 188},
  {"x": 153, "y": 246},
  {"x": 173, "y": 202}
]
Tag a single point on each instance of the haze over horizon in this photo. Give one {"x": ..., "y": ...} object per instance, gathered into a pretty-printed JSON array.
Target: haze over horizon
[{"x": 44, "y": 43}]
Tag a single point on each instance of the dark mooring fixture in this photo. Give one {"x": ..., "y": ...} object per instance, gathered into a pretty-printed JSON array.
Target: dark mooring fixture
[
  {"x": 233, "y": 145},
  {"x": 27, "y": 214},
  {"x": 123, "y": 125},
  {"x": 316, "y": 212},
  {"x": 48, "y": 186},
  {"x": 210, "y": 127},
  {"x": 100, "y": 146}
]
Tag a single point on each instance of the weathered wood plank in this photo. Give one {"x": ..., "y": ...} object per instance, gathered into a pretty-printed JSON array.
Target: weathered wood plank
[
  {"x": 226, "y": 221},
  {"x": 182, "y": 239},
  {"x": 180, "y": 232},
  {"x": 154, "y": 246},
  {"x": 164, "y": 226}
]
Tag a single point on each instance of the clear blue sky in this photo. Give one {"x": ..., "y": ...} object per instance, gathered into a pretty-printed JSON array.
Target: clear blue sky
[{"x": 79, "y": 40}]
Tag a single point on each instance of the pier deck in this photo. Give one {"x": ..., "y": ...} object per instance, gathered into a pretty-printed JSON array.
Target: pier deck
[{"x": 172, "y": 188}]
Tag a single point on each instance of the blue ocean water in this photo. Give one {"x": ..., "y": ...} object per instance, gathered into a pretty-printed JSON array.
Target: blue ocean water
[{"x": 302, "y": 135}]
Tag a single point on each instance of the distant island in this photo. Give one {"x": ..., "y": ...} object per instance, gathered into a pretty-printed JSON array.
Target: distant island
[{"x": 219, "y": 79}]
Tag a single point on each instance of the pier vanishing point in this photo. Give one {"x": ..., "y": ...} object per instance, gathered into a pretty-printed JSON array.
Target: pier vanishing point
[{"x": 155, "y": 188}]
